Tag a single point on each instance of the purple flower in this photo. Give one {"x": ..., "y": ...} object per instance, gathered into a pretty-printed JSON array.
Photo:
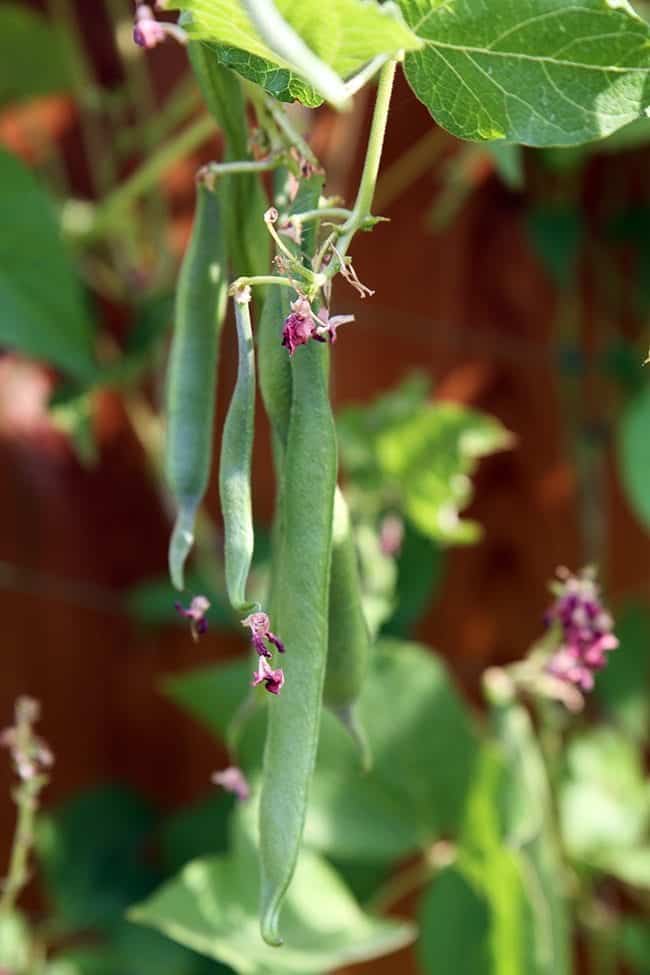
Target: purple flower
[
  {"x": 196, "y": 613},
  {"x": 585, "y": 627},
  {"x": 272, "y": 679},
  {"x": 233, "y": 780},
  {"x": 259, "y": 625},
  {"x": 149, "y": 32},
  {"x": 298, "y": 326},
  {"x": 327, "y": 329}
]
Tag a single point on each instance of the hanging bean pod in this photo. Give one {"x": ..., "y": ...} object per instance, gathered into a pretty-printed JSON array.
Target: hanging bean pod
[
  {"x": 192, "y": 372},
  {"x": 235, "y": 464},
  {"x": 302, "y": 618}
]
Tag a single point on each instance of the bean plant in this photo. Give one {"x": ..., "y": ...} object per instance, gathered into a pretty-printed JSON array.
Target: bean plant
[{"x": 350, "y": 750}]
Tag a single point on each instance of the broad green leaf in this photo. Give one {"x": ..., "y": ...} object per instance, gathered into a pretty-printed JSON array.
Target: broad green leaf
[
  {"x": 634, "y": 454},
  {"x": 454, "y": 922},
  {"x": 430, "y": 457},
  {"x": 212, "y": 907},
  {"x": 196, "y": 830},
  {"x": 281, "y": 83},
  {"x": 385, "y": 814},
  {"x": 343, "y": 34},
  {"x": 623, "y": 687},
  {"x": 45, "y": 70},
  {"x": 42, "y": 310},
  {"x": 93, "y": 854},
  {"x": 605, "y": 800},
  {"x": 538, "y": 72}
]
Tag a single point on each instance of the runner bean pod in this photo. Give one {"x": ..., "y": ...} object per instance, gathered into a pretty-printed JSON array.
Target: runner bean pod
[{"x": 192, "y": 372}]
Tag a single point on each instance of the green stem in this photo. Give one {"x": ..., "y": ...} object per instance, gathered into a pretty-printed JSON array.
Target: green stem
[
  {"x": 242, "y": 166},
  {"x": 18, "y": 873},
  {"x": 294, "y": 138},
  {"x": 331, "y": 212},
  {"x": 149, "y": 173},
  {"x": 365, "y": 193},
  {"x": 259, "y": 279}
]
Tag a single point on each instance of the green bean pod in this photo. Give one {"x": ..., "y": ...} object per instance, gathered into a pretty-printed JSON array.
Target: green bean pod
[
  {"x": 302, "y": 620},
  {"x": 348, "y": 645},
  {"x": 192, "y": 372},
  {"x": 235, "y": 463}
]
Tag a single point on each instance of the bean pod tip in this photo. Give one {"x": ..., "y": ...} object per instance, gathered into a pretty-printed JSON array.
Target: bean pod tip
[
  {"x": 180, "y": 544},
  {"x": 270, "y": 913}
]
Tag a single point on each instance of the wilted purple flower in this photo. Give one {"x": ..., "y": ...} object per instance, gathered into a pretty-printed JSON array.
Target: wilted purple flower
[
  {"x": 149, "y": 32},
  {"x": 298, "y": 326},
  {"x": 272, "y": 679},
  {"x": 327, "y": 329},
  {"x": 259, "y": 625},
  {"x": 233, "y": 780},
  {"x": 586, "y": 629},
  {"x": 196, "y": 613}
]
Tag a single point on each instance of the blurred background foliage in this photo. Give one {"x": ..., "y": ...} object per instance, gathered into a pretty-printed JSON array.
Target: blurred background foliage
[{"x": 510, "y": 319}]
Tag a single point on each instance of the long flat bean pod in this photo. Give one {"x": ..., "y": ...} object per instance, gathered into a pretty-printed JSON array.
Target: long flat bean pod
[
  {"x": 347, "y": 653},
  {"x": 302, "y": 601},
  {"x": 192, "y": 372},
  {"x": 235, "y": 464}
]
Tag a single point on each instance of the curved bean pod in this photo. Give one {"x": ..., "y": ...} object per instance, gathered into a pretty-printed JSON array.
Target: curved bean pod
[
  {"x": 302, "y": 600},
  {"x": 235, "y": 463},
  {"x": 192, "y": 372}
]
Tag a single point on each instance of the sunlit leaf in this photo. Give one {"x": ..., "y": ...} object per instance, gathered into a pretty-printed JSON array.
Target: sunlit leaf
[
  {"x": 344, "y": 34},
  {"x": 539, "y": 72}
]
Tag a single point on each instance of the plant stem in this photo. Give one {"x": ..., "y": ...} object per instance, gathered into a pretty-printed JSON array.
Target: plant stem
[
  {"x": 365, "y": 193},
  {"x": 331, "y": 212},
  {"x": 283, "y": 122},
  {"x": 242, "y": 166},
  {"x": 149, "y": 173},
  {"x": 17, "y": 875},
  {"x": 409, "y": 880},
  {"x": 258, "y": 279}
]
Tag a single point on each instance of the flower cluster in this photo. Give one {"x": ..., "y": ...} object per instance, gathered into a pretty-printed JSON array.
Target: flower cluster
[
  {"x": 196, "y": 612},
  {"x": 261, "y": 635},
  {"x": 586, "y": 630},
  {"x": 302, "y": 324}
]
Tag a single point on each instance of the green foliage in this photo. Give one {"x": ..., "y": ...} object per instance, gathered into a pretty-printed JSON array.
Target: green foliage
[
  {"x": 634, "y": 454},
  {"x": 405, "y": 451},
  {"x": 14, "y": 942},
  {"x": 42, "y": 308},
  {"x": 212, "y": 907},
  {"x": 605, "y": 806},
  {"x": 455, "y": 922},
  {"x": 539, "y": 72},
  {"x": 420, "y": 568},
  {"x": 45, "y": 70},
  {"x": 343, "y": 33},
  {"x": 556, "y": 234},
  {"x": 93, "y": 856},
  {"x": 623, "y": 686}
]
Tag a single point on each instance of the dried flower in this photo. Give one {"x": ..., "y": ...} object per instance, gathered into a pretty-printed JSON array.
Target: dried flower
[
  {"x": 232, "y": 779},
  {"x": 326, "y": 330},
  {"x": 273, "y": 680},
  {"x": 298, "y": 326},
  {"x": 259, "y": 625},
  {"x": 195, "y": 612},
  {"x": 586, "y": 630}
]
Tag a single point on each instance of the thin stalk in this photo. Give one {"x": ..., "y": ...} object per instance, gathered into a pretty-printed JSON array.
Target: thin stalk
[
  {"x": 259, "y": 279},
  {"x": 149, "y": 173},
  {"x": 366, "y": 191},
  {"x": 333, "y": 213}
]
